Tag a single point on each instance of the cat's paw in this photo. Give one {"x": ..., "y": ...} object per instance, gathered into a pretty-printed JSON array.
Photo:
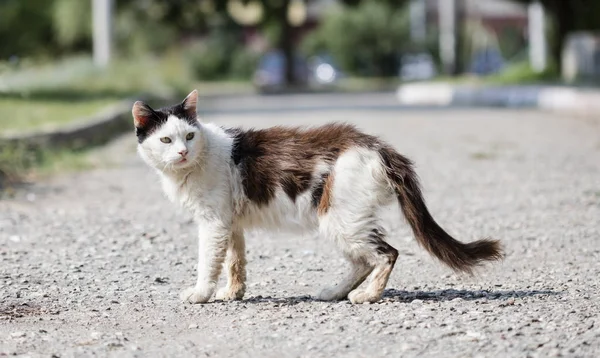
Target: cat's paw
[
  {"x": 331, "y": 294},
  {"x": 228, "y": 293},
  {"x": 195, "y": 295},
  {"x": 360, "y": 296}
]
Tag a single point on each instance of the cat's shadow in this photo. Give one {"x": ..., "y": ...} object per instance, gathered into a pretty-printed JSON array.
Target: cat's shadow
[{"x": 393, "y": 295}]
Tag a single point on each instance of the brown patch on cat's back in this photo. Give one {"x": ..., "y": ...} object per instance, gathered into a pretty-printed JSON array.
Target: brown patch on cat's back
[
  {"x": 249, "y": 154},
  {"x": 287, "y": 157}
]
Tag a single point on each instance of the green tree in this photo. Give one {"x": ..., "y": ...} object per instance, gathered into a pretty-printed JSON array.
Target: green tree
[
  {"x": 25, "y": 27},
  {"x": 366, "y": 39},
  {"x": 275, "y": 15}
]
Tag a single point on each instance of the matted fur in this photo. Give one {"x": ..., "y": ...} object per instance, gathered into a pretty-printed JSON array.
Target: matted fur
[{"x": 330, "y": 179}]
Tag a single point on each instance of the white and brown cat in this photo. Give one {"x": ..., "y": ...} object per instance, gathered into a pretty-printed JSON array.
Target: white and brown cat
[{"x": 330, "y": 179}]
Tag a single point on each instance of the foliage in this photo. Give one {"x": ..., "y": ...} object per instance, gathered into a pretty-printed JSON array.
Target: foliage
[
  {"x": 53, "y": 27},
  {"x": 243, "y": 64},
  {"x": 71, "y": 23},
  {"x": 18, "y": 163},
  {"x": 511, "y": 42},
  {"x": 522, "y": 73},
  {"x": 212, "y": 60},
  {"x": 14, "y": 160},
  {"x": 25, "y": 27},
  {"x": 208, "y": 60},
  {"x": 366, "y": 39},
  {"x": 221, "y": 54},
  {"x": 43, "y": 113},
  {"x": 154, "y": 26}
]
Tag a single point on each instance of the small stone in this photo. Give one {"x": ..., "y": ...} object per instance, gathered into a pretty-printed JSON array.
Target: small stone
[
  {"x": 510, "y": 301},
  {"x": 97, "y": 335},
  {"x": 407, "y": 347},
  {"x": 18, "y": 334},
  {"x": 15, "y": 238},
  {"x": 161, "y": 280},
  {"x": 192, "y": 326},
  {"x": 457, "y": 299},
  {"x": 475, "y": 336},
  {"x": 416, "y": 302}
]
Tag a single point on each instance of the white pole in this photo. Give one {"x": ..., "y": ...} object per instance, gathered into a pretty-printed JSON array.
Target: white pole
[
  {"x": 418, "y": 21},
  {"x": 101, "y": 18},
  {"x": 537, "y": 37},
  {"x": 447, "y": 25}
]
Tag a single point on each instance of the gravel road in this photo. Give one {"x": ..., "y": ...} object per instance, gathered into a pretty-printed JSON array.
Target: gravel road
[{"x": 92, "y": 263}]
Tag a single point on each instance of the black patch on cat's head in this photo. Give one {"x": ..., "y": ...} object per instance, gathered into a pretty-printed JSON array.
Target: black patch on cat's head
[{"x": 148, "y": 120}]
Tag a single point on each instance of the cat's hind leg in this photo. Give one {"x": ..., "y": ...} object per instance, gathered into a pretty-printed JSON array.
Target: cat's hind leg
[
  {"x": 369, "y": 255},
  {"x": 348, "y": 215},
  {"x": 359, "y": 270},
  {"x": 235, "y": 265},
  {"x": 383, "y": 256}
]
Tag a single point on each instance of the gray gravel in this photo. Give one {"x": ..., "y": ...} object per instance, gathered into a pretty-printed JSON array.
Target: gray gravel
[{"x": 93, "y": 263}]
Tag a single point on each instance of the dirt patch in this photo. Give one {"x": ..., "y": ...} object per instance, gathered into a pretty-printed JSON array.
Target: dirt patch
[{"x": 13, "y": 311}]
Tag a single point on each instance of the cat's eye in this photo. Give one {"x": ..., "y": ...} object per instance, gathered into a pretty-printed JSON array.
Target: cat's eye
[
  {"x": 189, "y": 136},
  {"x": 165, "y": 140}
]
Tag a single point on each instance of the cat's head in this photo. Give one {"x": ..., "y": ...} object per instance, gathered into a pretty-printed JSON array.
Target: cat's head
[{"x": 169, "y": 139}]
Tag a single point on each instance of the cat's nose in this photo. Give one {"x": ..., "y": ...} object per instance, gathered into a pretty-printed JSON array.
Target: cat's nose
[{"x": 183, "y": 152}]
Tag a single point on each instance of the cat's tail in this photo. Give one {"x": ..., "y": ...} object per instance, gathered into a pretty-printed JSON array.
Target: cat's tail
[{"x": 459, "y": 256}]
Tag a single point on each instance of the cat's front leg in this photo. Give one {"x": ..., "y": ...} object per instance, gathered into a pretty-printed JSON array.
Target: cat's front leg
[
  {"x": 212, "y": 247},
  {"x": 235, "y": 264}
]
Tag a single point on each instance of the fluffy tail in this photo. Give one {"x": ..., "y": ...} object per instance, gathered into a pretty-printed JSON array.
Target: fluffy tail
[{"x": 459, "y": 256}]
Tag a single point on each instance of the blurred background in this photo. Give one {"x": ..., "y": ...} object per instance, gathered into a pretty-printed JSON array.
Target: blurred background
[{"x": 64, "y": 60}]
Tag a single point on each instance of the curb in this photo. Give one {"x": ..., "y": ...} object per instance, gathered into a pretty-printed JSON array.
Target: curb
[
  {"x": 572, "y": 100},
  {"x": 91, "y": 131}
]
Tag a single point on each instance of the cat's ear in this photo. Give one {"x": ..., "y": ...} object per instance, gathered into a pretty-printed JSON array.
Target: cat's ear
[
  {"x": 190, "y": 103},
  {"x": 142, "y": 114}
]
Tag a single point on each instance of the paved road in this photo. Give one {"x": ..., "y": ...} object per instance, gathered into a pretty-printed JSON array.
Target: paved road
[{"x": 92, "y": 263}]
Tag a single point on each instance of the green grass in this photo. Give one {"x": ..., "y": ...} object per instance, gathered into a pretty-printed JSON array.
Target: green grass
[
  {"x": 19, "y": 164},
  {"x": 22, "y": 114},
  {"x": 352, "y": 84},
  {"x": 29, "y": 104},
  {"x": 522, "y": 73},
  {"x": 42, "y": 98},
  {"x": 514, "y": 74}
]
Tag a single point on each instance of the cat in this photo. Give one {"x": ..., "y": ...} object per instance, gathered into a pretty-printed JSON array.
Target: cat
[{"x": 330, "y": 179}]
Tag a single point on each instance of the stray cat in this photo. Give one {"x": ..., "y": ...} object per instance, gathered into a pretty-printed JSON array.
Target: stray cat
[{"x": 330, "y": 179}]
